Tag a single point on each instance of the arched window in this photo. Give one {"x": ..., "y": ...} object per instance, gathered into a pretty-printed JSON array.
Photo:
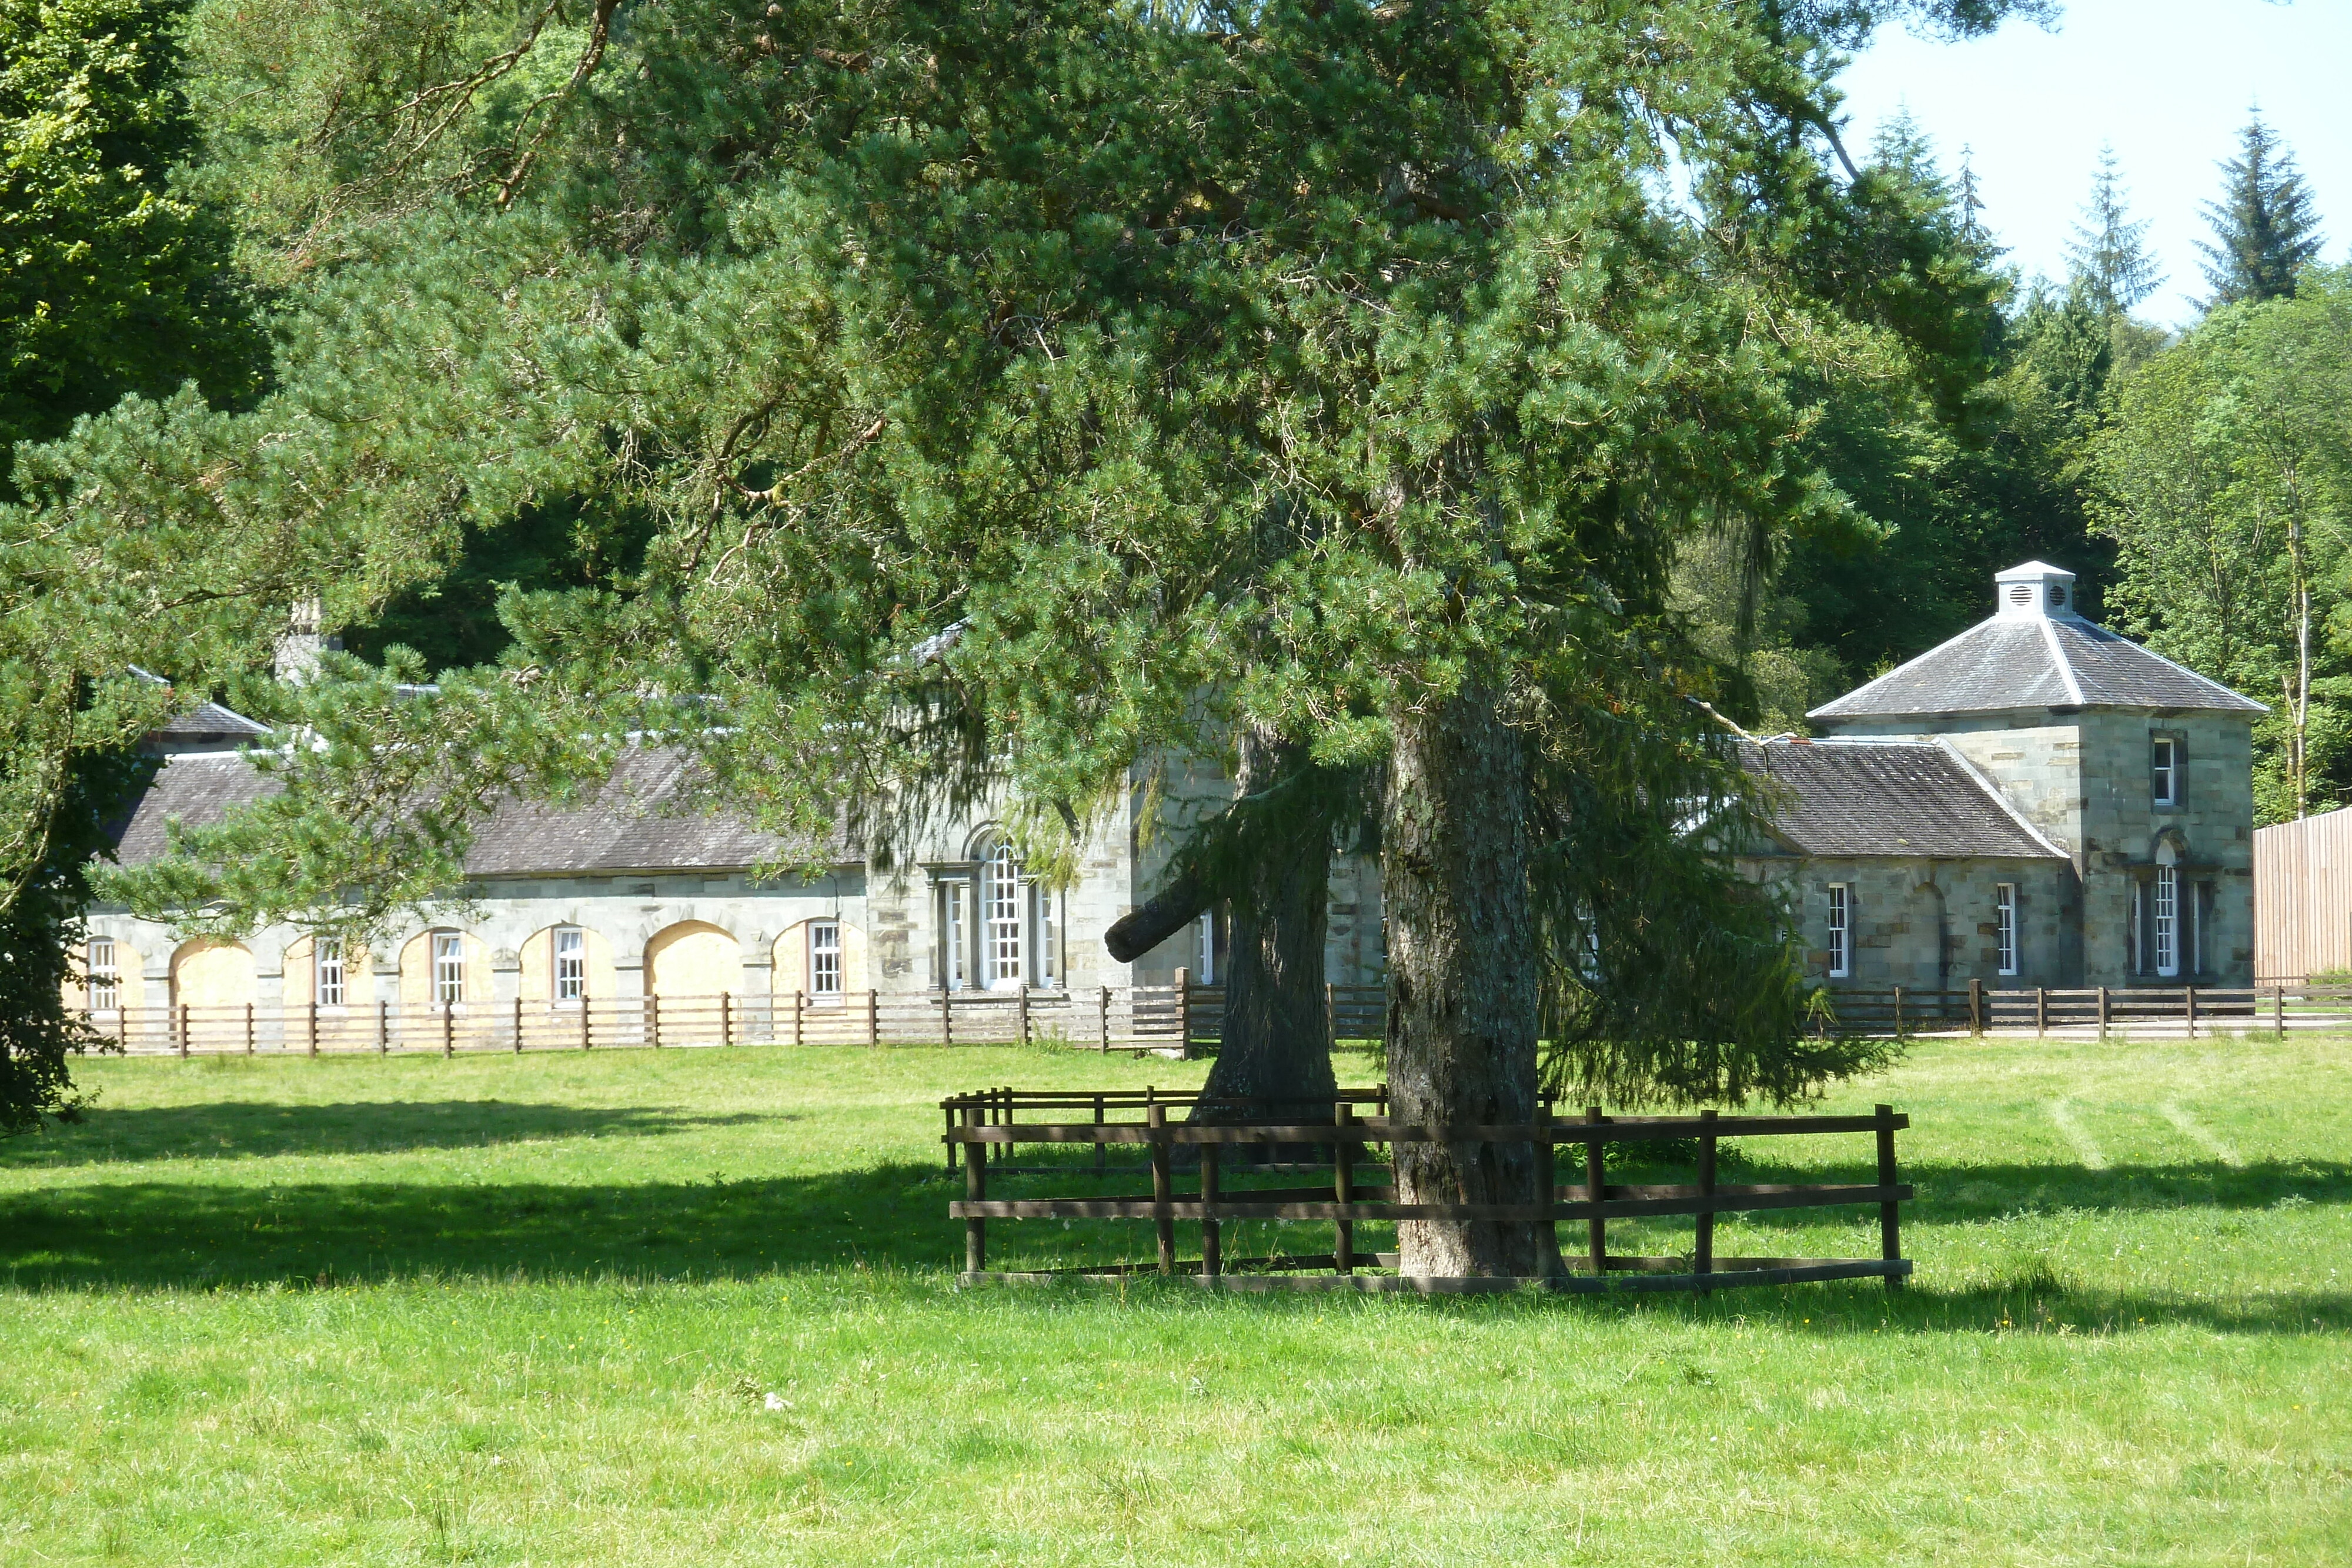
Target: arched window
[{"x": 1002, "y": 898}]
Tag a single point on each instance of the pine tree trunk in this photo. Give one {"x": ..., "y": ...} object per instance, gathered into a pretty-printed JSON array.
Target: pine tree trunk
[
  {"x": 1461, "y": 984},
  {"x": 1277, "y": 1044}
]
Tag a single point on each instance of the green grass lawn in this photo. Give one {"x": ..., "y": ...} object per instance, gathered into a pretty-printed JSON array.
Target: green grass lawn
[{"x": 528, "y": 1310}]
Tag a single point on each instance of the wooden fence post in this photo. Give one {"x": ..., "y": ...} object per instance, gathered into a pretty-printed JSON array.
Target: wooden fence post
[
  {"x": 1343, "y": 1188},
  {"x": 517, "y": 1018},
  {"x": 248, "y": 1029},
  {"x": 1101, "y": 1149},
  {"x": 184, "y": 1029},
  {"x": 948, "y": 1114},
  {"x": 1212, "y": 1232},
  {"x": 1976, "y": 1006},
  {"x": 1898, "y": 1012},
  {"x": 797, "y": 1000},
  {"x": 1163, "y": 1219},
  {"x": 2278, "y": 1000},
  {"x": 947, "y": 1025},
  {"x": 1102, "y": 1019},
  {"x": 1702, "y": 1249},
  {"x": 314, "y": 1026},
  {"x": 1890, "y": 1213},
  {"x": 873, "y": 1018},
  {"x": 1020, "y": 1010},
  {"x": 2041, "y": 1011},
  {"x": 587, "y": 1029},
  {"x": 975, "y": 1187},
  {"x": 382, "y": 1027},
  {"x": 1596, "y": 1189},
  {"x": 448, "y": 1029},
  {"x": 2103, "y": 1012},
  {"x": 1330, "y": 1017},
  {"x": 1547, "y": 1168},
  {"x": 2191, "y": 999},
  {"x": 653, "y": 1020},
  {"x": 726, "y": 1018},
  {"x": 1184, "y": 1012}
]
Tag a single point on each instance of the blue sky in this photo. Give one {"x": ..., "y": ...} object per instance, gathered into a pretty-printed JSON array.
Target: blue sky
[{"x": 2166, "y": 81}]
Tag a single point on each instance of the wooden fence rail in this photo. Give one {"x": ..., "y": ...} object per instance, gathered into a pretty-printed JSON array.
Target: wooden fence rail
[
  {"x": 983, "y": 1126},
  {"x": 2182, "y": 1010}
]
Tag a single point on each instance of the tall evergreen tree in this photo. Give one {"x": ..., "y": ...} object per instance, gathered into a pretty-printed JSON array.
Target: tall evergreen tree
[
  {"x": 2108, "y": 255},
  {"x": 2264, "y": 227}
]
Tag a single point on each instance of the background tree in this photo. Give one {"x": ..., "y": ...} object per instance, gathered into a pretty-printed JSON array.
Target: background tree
[
  {"x": 114, "y": 280},
  {"x": 2225, "y": 477},
  {"x": 2108, "y": 256},
  {"x": 2265, "y": 229}
]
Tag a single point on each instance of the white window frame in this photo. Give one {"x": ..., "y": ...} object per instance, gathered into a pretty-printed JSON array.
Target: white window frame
[
  {"x": 1047, "y": 968},
  {"x": 1003, "y": 948},
  {"x": 824, "y": 963},
  {"x": 2165, "y": 919},
  {"x": 1204, "y": 948},
  {"x": 1840, "y": 930},
  {"x": 2164, "y": 771},
  {"x": 567, "y": 976},
  {"x": 955, "y": 947},
  {"x": 448, "y": 970},
  {"x": 329, "y": 982},
  {"x": 2004, "y": 904},
  {"x": 102, "y": 971}
]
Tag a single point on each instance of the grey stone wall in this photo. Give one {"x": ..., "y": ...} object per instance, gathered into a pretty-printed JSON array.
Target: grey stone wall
[{"x": 1928, "y": 923}]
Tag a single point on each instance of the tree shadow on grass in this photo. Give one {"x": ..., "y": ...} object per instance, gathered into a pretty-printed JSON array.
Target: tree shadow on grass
[
  {"x": 893, "y": 1218},
  {"x": 240, "y": 1130}
]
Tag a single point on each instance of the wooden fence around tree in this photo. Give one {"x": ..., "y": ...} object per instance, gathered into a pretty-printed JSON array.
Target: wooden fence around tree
[{"x": 985, "y": 1126}]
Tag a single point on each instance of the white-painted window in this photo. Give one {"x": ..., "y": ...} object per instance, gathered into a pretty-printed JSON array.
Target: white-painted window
[
  {"x": 326, "y": 970},
  {"x": 1002, "y": 896},
  {"x": 2165, "y": 920},
  {"x": 1840, "y": 930},
  {"x": 570, "y": 979},
  {"x": 1204, "y": 948},
  {"x": 825, "y": 960},
  {"x": 955, "y": 947},
  {"x": 2004, "y": 903},
  {"x": 2164, "y": 773},
  {"x": 448, "y": 969},
  {"x": 1049, "y": 937},
  {"x": 105, "y": 977}
]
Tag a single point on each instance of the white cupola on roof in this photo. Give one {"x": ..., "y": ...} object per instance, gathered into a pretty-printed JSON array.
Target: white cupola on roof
[{"x": 2036, "y": 590}]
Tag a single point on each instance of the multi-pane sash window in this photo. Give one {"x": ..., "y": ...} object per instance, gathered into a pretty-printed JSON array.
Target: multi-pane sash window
[
  {"x": 1002, "y": 963},
  {"x": 2164, "y": 773},
  {"x": 1204, "y": 949},
  {"x": 327, "y": 971},
  {"x": 448, "y": 969},
  {"x": 953, "y": 974},
  {"x": 2166, "y": 920},
  {"x": 825, "y": 960},
  {"x": 1840, "y": 930},
  {"x": 1049, "y": 939},
  {"x": 570, "y": 963},
  {"x": 2004, "y": 902},
  {"x": 105, "y": 977}
]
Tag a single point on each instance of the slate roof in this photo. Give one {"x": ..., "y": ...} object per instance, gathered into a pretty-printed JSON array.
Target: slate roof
[
  {"x": 2008, "y": 663},
  {"x": 206, "y": 722},
  {"x": 645, "y": 818},
  {"x": 1888, "y": 798}
]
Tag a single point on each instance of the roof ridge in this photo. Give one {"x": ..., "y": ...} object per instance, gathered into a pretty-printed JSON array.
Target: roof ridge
[
  {"x": 1877, "y": 680},
  {"x": 2201, "y": 680},
  {"x": 2058, "y": 657}
]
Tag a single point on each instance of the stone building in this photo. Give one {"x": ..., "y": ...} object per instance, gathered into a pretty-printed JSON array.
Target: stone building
[
  {"x": 640, "y": 893},
  {"x": 2036, "y": 802}
]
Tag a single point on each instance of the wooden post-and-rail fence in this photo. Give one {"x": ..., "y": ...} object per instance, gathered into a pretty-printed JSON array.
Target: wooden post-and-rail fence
[{"x": 985, "y": 1128}]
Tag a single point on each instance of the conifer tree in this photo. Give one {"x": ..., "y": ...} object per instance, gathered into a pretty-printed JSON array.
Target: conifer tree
[
  {"x": 2264, "y": 227},
  {"x": 2108, "y": 255}
]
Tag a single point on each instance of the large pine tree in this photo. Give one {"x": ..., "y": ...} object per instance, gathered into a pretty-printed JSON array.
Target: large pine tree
[
  {"x": 2264, "y": 227},
  {"x": 2108, "y": 255}
]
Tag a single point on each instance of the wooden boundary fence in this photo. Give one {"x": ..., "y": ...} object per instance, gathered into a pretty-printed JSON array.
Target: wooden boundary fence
[
  {"x": 983, "y": 1126},
  {"x": 2098, "y": 1010}
]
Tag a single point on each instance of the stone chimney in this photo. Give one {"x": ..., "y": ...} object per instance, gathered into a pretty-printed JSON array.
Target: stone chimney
[
  {"x": 300, "y": 646},
  {"x": 2034, "y": 591}
]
